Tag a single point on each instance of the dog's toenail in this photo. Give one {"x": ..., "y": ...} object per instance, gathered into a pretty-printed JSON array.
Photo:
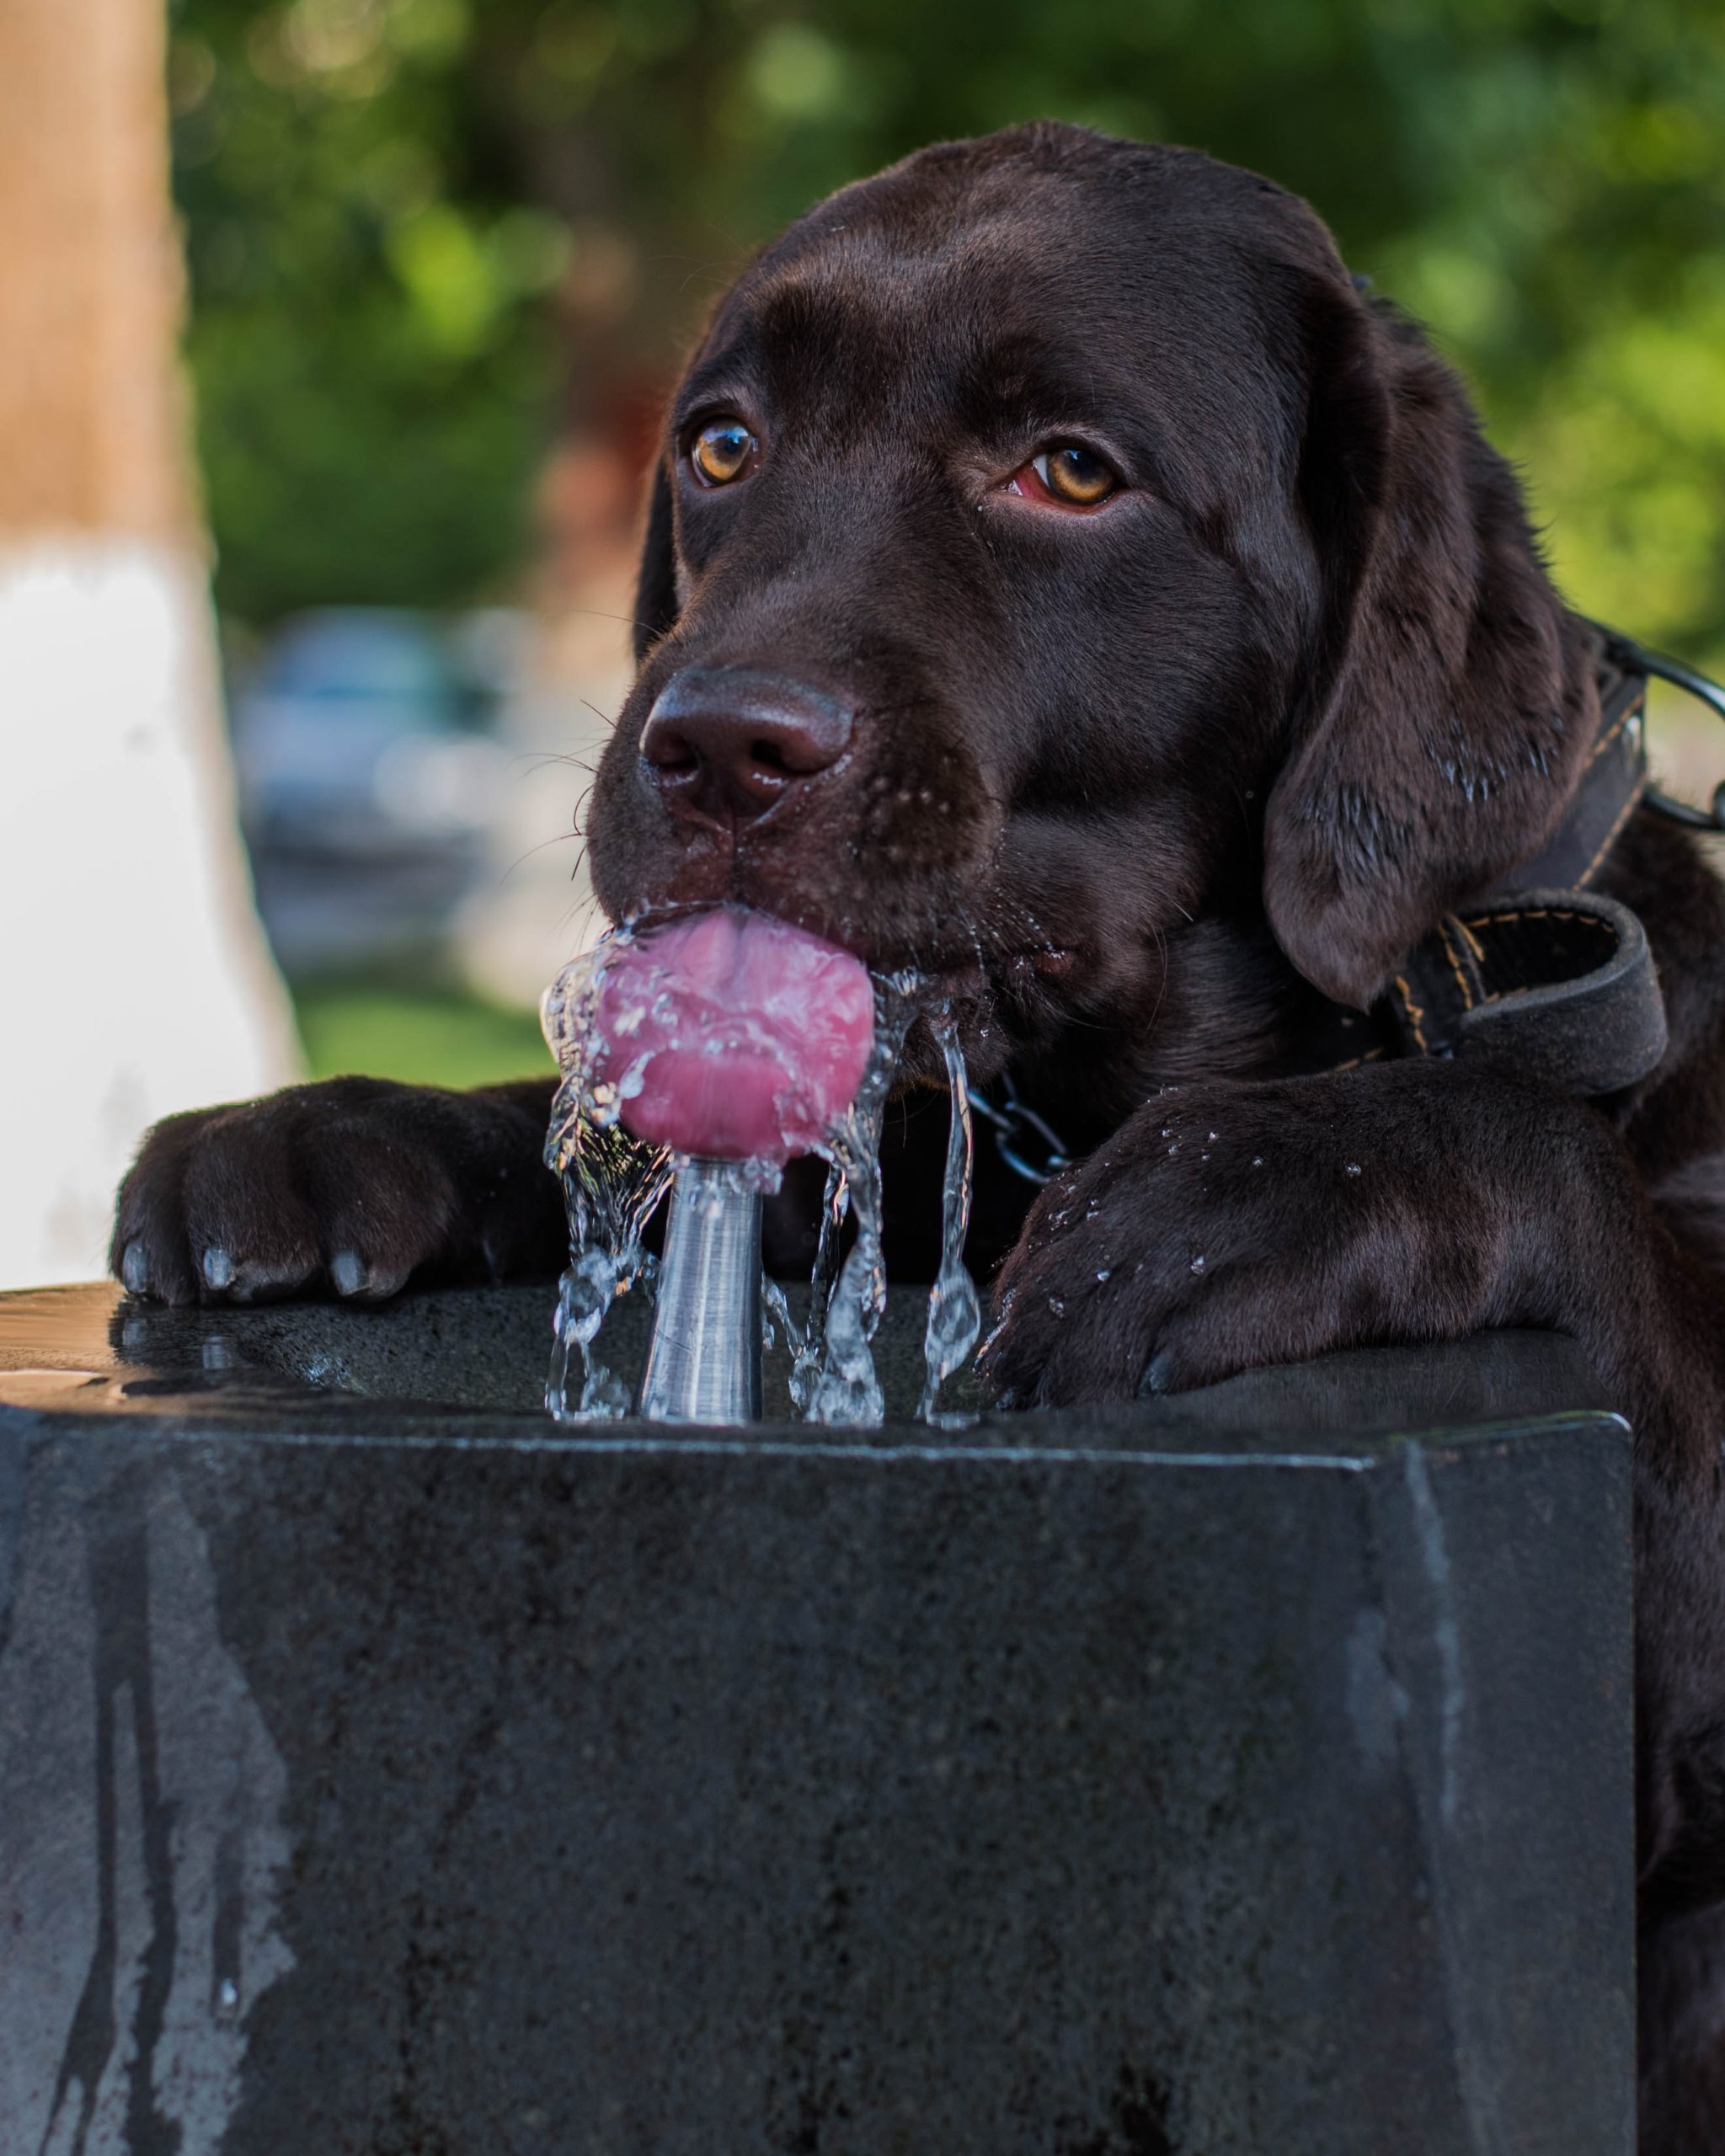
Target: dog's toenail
[
  {"x": 135, "y": 1268},
  {"x": 347, "y": 1270},
  {"x": 218, "y": 1268}
]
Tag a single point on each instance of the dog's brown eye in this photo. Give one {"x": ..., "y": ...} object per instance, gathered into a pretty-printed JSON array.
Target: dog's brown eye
[
  {"x": 724, "y": 450},
  {"x": 1071, "y": 474}
]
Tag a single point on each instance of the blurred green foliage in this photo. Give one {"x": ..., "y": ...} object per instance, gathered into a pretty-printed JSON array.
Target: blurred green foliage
[
  {"x": 430, "y": 1038},
  {"x": 425, "y": 234}
]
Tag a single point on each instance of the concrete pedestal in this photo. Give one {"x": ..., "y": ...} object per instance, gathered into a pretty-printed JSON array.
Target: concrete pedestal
[{"x": 381, "y": 1775}]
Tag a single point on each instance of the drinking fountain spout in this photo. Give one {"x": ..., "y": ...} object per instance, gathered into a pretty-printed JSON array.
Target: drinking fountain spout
[
  {"x": 703, "y": 1362},
  {"x": 712, "y": 1050}
]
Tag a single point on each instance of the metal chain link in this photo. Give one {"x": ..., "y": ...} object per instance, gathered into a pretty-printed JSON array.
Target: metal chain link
[
  {"x": 1711, "y": 819},
  {"x": 1017, "y": 1130}
]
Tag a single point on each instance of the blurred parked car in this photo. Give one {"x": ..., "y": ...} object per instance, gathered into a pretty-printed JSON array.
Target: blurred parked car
[{"x": 368, "y": 778}]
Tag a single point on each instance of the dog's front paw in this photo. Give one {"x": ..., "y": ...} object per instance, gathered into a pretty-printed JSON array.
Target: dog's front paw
[
  {"x": 350, "y": 1186},
  {"x": 1229, "y": 1226}
]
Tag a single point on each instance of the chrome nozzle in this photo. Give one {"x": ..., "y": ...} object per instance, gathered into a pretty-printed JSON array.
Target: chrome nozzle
[{"x": 703, "y": 1362}]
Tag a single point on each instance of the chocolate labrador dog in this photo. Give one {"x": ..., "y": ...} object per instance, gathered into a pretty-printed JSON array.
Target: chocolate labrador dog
[{"x": 1060, "y": 578}]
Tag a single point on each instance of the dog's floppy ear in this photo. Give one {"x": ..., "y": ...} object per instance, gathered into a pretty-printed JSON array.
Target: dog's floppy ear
[
  {"x": 1448, "y": 705},
  {"x": 656, "y": 584}
]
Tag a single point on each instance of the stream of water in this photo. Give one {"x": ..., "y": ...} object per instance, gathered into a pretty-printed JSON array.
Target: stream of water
[
  {"x": 955, "y": 1314},
  {"x": 613, "y": 1181}
]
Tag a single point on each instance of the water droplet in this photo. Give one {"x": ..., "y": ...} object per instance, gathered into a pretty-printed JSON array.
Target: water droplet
[
  {"x": 1198, "y": 1265},
  {"x": 1257, "y": 1160},
  {"x": 1106, "y": 1273},
  {"x": 1212, "y": 1136},
  {"x": 1173, "y": 1148},
  {"x": 227, "y": 1999},
  {"x": 1353, "y": 1167},
  {"x": 1056, "y": 1307}
]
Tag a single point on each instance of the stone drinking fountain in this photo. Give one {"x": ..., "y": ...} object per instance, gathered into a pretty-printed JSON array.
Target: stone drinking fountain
[{"x": 815, "y": 1761}]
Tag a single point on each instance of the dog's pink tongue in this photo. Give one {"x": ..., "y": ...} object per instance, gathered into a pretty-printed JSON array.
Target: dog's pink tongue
[{"x": 748, "y": 1037}]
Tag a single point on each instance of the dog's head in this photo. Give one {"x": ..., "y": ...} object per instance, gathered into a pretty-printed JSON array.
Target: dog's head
[{"x": 1051, "y": 548}]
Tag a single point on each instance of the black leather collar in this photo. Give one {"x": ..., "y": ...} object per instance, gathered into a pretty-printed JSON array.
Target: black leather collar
[
  {"x": 1541, "y": 971},
  {"x": 1559, "y": 982},
  {"x": 1611, "y": 784}
]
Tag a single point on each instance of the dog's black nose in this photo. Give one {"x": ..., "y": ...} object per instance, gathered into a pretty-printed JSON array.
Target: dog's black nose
[{"x": 731, "y": 740}]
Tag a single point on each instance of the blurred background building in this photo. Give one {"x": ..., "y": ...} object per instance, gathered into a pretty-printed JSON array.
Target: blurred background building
[{"x": 441, "y": 257}]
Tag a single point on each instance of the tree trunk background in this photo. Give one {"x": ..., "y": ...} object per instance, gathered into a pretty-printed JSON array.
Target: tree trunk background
[
  {"x": 133, "y": 971},
  {"x": 91, "y": 426}
]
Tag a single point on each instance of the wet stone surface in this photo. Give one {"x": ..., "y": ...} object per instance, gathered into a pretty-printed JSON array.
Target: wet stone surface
[{"x": 385, "y": 1769}]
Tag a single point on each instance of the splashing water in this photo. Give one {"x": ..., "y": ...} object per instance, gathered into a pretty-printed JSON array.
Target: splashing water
[
  {"x": 954, "y": 1315},
  {"x": 832, "y": 1372},
  {"x": 846, "y": 1388},
  {"x": 808, "y": 1346},
  {"x": 613, "y": 1181}
]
